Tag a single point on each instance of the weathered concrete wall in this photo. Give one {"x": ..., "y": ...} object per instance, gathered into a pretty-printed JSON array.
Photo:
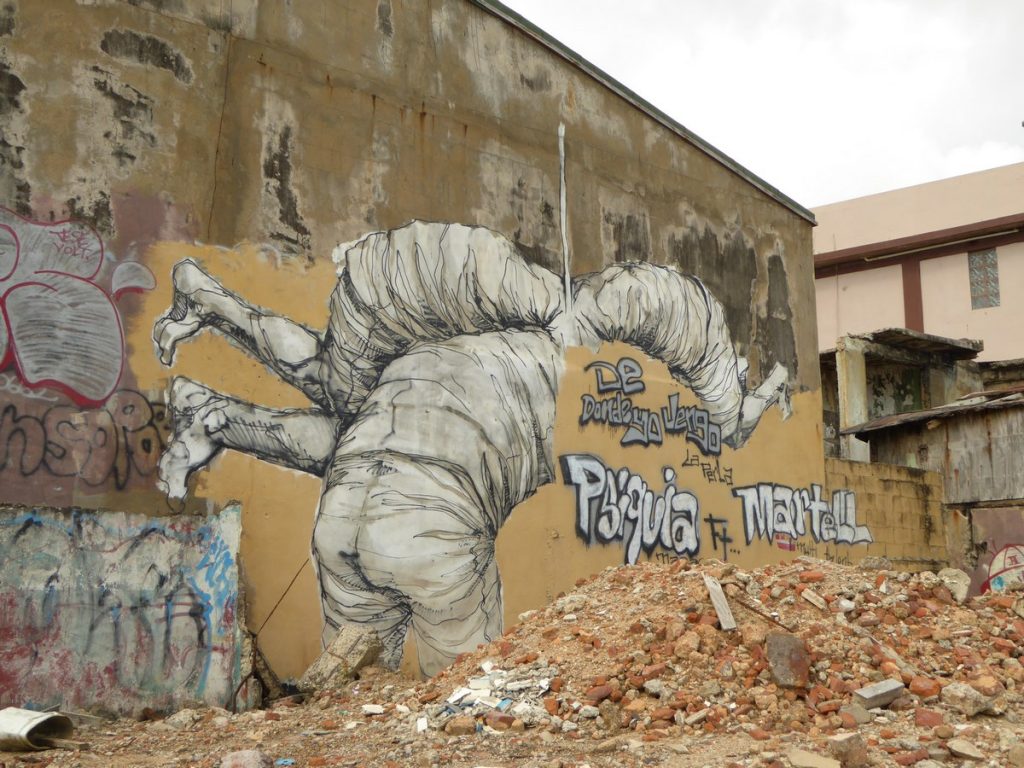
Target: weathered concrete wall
[
  {"x": 253, "y": 137},
  {"x": 903, "y": 509},
  {"x": 118, "y": 612}
]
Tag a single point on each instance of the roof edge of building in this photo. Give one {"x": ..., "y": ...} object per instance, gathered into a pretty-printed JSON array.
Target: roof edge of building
[{"x": 532, "y": 30}]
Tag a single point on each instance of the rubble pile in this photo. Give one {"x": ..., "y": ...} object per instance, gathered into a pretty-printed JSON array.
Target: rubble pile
[{"x": 828, "y": 666}]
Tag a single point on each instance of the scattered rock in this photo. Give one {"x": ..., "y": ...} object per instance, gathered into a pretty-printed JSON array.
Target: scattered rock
[
  {"x": 963, "y": 748},
  {"x": 787, "y": 659},
  {"x": 460, "y": 726},
  {"x": 352, "y": 648},
  {"x": 1015, "y": 756},
  {"x": 800, "y": 758},
  {"x": 879, "y": 695},
  {"x": 957, "y": 582},
  {"x": 849, "y": 749},
  {"x": 246, "y": 758},
  {"x": 964, "y": 699}
]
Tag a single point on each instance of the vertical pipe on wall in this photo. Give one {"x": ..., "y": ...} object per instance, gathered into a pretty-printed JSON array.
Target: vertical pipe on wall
[{"x": 563, "y": 205}]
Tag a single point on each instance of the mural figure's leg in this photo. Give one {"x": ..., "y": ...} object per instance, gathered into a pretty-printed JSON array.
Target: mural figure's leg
[
  {"x": 400, "y": 542},
  {"x": 206, "y": 422},
  {"x": 346, "y": 597},
  {"x": 451, "y": 622},
  {"x": 291, "y": 350}
]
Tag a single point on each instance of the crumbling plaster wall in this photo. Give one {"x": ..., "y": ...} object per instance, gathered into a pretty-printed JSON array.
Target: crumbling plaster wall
[
  {"x": 288, "y": 127},
  {"x": 303, "y": 124}
]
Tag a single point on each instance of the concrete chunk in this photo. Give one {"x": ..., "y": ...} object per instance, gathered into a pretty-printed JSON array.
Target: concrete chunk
[
  {"x": 879, "y": 694},
  {"x": 801, "y": 758},
  {"x": 353, "y": 648},
  {"x": 788, "y": 660}
]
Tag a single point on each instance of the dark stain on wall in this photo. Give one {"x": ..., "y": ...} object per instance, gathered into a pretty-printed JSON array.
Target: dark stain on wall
[
  {"x": 384, "y": 18},
  {"x": 539, "y": 82},
  {"x": 630, "y": 236},
  {"x": 98, "y": 214},
  {"x": 11, "y": 88},
  {"x": 728, "y": 270},
  {"x": 775, "y": 328},
  {"x": 532, "y": 246},
  {"x": 146, "y": 49},
  {"x": 15, "y": 191},
  {"x": 133, "y": 117},
  {"x": 8, "y": 12},
  {"x": 159, "y": 5},
  {"x": 277, "y": 172}
]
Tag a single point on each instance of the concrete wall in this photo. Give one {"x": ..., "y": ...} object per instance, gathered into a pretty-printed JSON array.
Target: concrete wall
[
  {"x": 871, "y": 299},
  {"x": 902, "y": 506},
  {"x": 117, "y": 612},
  {"x": 182, "y": 172}
]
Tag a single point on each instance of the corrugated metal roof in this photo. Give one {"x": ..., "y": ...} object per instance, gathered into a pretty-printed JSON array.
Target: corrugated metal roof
[
  {"x": 985, "y": 401},
  {"x": 904, "y": 338},
  {"x": 526, "y": 26}
]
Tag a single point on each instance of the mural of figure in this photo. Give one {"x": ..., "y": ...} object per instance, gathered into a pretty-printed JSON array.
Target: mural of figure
[{"x": 433, "y": 390}]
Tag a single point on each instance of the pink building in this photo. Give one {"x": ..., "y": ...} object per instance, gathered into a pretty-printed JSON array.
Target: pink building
[{"x": 945, "y": 258}]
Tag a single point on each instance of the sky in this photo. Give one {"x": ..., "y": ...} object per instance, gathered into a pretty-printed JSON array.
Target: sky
[{"x": 824, "y": 99}]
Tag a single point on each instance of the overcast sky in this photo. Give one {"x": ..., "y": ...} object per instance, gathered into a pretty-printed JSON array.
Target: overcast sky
[{"x": 824, "y": 99}]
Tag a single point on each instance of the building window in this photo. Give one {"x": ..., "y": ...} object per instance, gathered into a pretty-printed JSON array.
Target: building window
[{"x": 983, "y": 268}]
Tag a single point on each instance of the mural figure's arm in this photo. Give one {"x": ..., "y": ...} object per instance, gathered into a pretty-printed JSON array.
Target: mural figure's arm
[
  {"x": 289, "y": 349},
  {"x": 206, "y": 422},
  {"x": 675, "y": 319}
]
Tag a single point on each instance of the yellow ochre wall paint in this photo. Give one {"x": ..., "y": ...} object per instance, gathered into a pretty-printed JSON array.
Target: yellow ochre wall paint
[{"x": 264, "y": 137}]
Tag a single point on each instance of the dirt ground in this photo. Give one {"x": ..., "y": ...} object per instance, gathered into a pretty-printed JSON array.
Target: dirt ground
[{"x": 636, "y": 668}]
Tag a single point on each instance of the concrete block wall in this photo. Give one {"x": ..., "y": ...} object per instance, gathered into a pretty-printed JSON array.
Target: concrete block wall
[{"x": 902, "y": 506}]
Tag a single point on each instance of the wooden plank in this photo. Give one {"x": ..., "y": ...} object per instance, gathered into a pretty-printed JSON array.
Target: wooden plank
[
  {"x": 725, "y": 617},
  {"x": 814, "y": 599}
]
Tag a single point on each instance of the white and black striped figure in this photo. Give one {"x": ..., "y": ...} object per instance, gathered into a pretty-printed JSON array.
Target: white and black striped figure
[{"x": 433, "y": 390}]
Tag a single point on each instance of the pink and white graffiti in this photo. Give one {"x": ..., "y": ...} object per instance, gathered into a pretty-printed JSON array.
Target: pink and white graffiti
[{"x": 60, "y": 327}]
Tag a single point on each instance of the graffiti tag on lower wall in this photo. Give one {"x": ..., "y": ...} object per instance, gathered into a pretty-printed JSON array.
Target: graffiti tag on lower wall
[
  {"x": 645, "y": 426},
  {"x": 108, "y": 446},
  {"x": 780, "y": 513},
  {"x": 117, "y": 611},
  {"x": 620, "y": 505},
  {"x": 1006, "y": 569}
]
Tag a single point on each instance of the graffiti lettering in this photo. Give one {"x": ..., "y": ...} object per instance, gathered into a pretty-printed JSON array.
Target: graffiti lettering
[
  {"x": 779, "y": 513},
  {"x": 1006, "y": 569},
  {"x": 619, "y": 505},
  {"x": 59, "y": 328},
  {"x": 713, "y": 472},
  {"x": 695, "y": 423},
  {"x": 719, "y": 534},
  {"x": 645, "y": 426},
  {"x": 113, "y": 444},
  {"x": 626, "y": 376},
  {"x": 119, "y": 611}
]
